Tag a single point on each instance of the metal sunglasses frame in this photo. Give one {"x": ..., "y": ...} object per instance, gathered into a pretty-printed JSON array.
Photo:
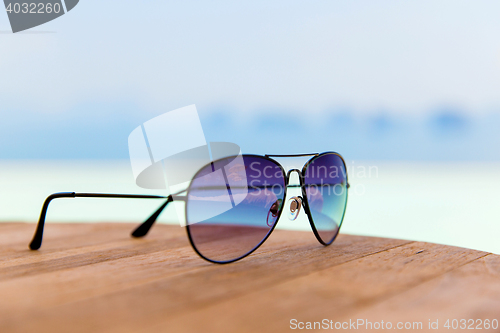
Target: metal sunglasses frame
[{"x": 143, "y": 229}]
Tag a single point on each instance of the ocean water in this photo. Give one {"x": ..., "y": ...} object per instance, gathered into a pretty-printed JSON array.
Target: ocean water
[{"x": 448, "y": 203}]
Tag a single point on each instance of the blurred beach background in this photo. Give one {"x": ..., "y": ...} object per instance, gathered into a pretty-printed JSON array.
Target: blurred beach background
[{"x": 407, "y": 92}]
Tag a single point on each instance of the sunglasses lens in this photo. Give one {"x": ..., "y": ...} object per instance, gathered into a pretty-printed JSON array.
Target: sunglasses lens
[
  {"x": 233, "y": 204},
  {"x": 326, "y": 190}
]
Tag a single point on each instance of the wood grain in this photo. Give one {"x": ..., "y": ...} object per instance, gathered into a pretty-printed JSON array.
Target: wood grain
[{"x": 96, "y": 278}]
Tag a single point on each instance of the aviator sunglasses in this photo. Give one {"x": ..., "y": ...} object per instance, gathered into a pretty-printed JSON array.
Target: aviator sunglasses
[{"x": 233, "y": 204}]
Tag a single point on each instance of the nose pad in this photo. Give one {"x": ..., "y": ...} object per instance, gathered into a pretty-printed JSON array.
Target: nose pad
[
  {"x": 273, "y": 212},
  {"x": 295, "y": 205}
]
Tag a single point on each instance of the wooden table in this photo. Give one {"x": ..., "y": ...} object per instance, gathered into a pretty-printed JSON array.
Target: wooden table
[{"x": 96, "y": 278}]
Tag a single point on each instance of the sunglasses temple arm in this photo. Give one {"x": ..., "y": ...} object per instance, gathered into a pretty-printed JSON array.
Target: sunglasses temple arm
[
  {"x": 144, "y": 228},
  {"x": 36, "y": 242}
]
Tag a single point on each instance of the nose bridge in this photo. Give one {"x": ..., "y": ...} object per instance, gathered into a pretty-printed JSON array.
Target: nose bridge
[{"x": 289, "y": 174}]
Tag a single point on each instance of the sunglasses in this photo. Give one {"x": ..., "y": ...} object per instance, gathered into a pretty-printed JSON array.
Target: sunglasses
[{"x": 233, "y": 204}]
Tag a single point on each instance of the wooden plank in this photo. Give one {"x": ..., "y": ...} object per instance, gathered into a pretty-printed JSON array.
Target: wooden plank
[
  {"x": 333, "y": 293},
  {"x": 469, "y": 292},
  {"x": 94, "y": 277}
]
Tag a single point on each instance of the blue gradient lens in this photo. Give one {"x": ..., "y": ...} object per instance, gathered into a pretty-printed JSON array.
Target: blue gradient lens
[
  {"x": 232, "y": 206},
  {"x": 325, "y": 181}
]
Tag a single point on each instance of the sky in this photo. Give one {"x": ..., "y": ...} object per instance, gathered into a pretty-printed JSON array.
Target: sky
[{"x": 375, "y": 80}]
